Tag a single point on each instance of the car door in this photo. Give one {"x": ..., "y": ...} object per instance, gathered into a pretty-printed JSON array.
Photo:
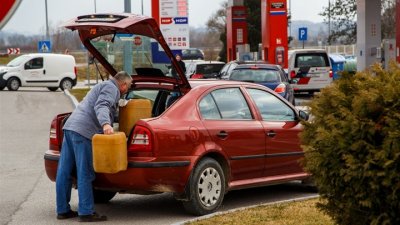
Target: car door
[
  {"x": 227, "y": 117},
  {"x": 33, "y": 72},
  {"x": 282, "y": 129}
]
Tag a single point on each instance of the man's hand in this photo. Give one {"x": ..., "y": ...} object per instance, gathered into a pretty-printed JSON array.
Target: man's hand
[{"x": 107, "y": 129}]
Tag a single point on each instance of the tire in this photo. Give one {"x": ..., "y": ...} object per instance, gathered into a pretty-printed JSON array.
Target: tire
[
  {"x": 52, "y": 88},
  {"x": 13, "y": 84},
  {"x": 206, "y": 188},
  {"x": 66, "y": 83},
  {"x": 101, "y": 196}
]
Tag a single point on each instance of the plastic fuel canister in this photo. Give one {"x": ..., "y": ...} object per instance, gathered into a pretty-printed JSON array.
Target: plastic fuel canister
[{"x": 109, "y": 152}]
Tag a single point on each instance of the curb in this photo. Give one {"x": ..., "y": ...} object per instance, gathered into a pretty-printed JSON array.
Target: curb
[
  {"x": 243, "y": 208},
  {"x": 72, "y": 98}
]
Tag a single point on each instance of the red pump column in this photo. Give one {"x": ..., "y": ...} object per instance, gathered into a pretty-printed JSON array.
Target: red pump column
[
  {"x": 274, "y": 32},
  {"x": 236, "y": 30}
]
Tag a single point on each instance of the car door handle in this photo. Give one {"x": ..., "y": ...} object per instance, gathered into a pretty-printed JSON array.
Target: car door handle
[
  {"x": 271, "y": 133},
  {"x": 44, "y": 71},
  {"x": 222, "y": 134}
]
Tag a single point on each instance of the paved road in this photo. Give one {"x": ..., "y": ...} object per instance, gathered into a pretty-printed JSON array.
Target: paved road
[
  {"x": 25, "y": 118},
  {"x": 28, "y": 197}
]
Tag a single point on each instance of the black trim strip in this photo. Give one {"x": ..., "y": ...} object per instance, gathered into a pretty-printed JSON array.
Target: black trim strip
[
  {"x": 51, "y": 157},
  {"x": 158, "y": 164},
  {"x": 267, "y": 155},
  {"x": 41, "y": 81},
  {"x": 138, "y": 164}
]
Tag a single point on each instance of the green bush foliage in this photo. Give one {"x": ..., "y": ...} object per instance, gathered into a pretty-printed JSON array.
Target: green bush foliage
[{"x": 352, "y": 147}]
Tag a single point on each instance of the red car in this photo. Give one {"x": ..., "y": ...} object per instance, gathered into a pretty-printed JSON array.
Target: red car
[{"x": 202, "y": 138}]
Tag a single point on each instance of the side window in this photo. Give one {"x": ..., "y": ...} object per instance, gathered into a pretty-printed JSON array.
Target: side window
[
  {"x": 208, "y": 108},
  {"x": 36, "y": 63},
  {"x": 271, "y": 107},
  {"x": 226, "y": 104}
]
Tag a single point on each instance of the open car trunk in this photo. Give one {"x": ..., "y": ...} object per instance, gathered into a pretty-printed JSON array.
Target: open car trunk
[{"x": 108, "y": 36}]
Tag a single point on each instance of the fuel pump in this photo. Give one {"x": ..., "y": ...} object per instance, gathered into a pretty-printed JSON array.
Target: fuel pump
[
  {"x": 236, "y": 30},
  {"x": 274, "y": 32}
]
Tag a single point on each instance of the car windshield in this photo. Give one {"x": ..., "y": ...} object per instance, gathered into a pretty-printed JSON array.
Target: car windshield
[
  {"x": 146, "y": 52},
  {"x": 311, "y": 60},
  {"x": 17, "y": 61},
  {"x": 256, "y": 75},
  {"x": 208, "y": 68}
]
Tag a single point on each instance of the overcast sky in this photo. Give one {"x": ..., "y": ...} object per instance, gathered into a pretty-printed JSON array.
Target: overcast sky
[{"x": 30, "y": 16}]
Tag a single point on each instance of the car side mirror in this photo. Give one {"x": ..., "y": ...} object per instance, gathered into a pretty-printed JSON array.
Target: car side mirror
[{"x": 303, "y": 115}]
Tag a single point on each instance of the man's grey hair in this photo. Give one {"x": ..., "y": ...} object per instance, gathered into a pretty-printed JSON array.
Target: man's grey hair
[{"x": 122, "y": 76}]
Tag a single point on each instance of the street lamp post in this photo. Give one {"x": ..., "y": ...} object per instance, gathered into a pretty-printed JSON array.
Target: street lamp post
[
  {"x": 47, "y": 21},
  {"x": 329, "y": 22}
]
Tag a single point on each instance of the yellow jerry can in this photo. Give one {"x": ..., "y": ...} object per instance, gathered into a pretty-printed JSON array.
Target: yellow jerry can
[
  {"x": 135, "y": 109},
  {"x": 109, "y": 152}
]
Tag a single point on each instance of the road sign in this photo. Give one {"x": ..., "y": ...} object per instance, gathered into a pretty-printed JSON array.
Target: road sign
[
  {"x": 13, "y": 51},
  {"x": 44, "y": 46},
  {"x": 303, "y": 34},
  {"x": 137, "y": 40}
]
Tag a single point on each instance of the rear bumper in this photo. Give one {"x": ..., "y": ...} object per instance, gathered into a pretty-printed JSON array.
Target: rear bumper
[{"x": 142, "y": 175}]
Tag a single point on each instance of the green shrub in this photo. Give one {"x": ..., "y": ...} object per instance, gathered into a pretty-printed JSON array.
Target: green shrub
[{"x": 352, "y": 147}]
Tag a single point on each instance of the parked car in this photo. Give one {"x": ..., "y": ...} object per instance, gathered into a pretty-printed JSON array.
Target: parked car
[
  {"x": 212, "y": 138},
  {"x": 39, "y": 70},
  {"x": 309, "y": 69},
  {"x": 192, "y": 53},
  {"x": 199, "y": 69},
  {"x": 227, "y": 69},
  {"x": 269, "y": 75}
]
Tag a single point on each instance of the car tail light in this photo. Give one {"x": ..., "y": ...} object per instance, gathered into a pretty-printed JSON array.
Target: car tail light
[
  {"x": 281, "y": 88},
  {"x": 292, "y": 74},
  {"x": 141, "y": 140},
  {"x": 75, "y": 71},
  {"x": 53, "y": 139},
  {"x": 197, "y": 76},
  {"x": 330, "y": 73}
]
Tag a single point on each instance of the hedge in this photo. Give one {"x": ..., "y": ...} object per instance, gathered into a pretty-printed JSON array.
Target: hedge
[{"x": 352, "y": 147}]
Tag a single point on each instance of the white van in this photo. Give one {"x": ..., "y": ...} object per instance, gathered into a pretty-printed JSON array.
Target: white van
[
  {"x": 39, "y": 70},
  {"x": 309, "y": 69}
]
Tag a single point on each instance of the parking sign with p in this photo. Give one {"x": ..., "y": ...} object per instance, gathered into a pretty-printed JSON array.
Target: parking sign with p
[{"x": 303, "y": 34}]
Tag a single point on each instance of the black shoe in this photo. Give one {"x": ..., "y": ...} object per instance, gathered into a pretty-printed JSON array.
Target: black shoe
[
  {"x": 92, "y": 218},
  {"x": 67, "y": 215}
]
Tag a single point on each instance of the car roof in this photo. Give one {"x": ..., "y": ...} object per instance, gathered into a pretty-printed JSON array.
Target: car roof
[
  {"x": 211, "y": 83},
  {"x": 262, "y": 66},
  {"x": 205, "y": 62}
]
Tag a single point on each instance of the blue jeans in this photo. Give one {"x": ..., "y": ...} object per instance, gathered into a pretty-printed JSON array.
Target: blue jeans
[{"x": 76, "y": 153}]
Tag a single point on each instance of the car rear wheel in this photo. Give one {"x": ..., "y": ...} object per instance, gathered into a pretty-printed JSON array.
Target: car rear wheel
[
  {"x": 66, "y": 83},
  {"x": 52, "y": 88},
  {"x": 13, "y": 84},
  {"x": 101, "y": 196},
  {"x": 206, "y": 188}
]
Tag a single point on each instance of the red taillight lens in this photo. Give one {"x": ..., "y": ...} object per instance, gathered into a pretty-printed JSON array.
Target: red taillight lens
[
  {"x": 197, "y": 76},
  {"x": 53, "y": 140},
  {"x": 281, "y": 88},
  {"x": 330, "y": 73},
  {"x": 140, "y": 140},
  {"x": 75, "y": 71},
  {"x": 292, "y": 74}
]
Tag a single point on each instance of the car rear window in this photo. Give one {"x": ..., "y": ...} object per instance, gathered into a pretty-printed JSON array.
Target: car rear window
[
  {"x": 311, "y": 60},
  {"x": 257, "y": 76},
  {"x": 209, "y": 68}
]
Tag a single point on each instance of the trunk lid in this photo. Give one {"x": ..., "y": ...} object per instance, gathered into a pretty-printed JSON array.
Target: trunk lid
[{"x": 95, "y": 26}]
